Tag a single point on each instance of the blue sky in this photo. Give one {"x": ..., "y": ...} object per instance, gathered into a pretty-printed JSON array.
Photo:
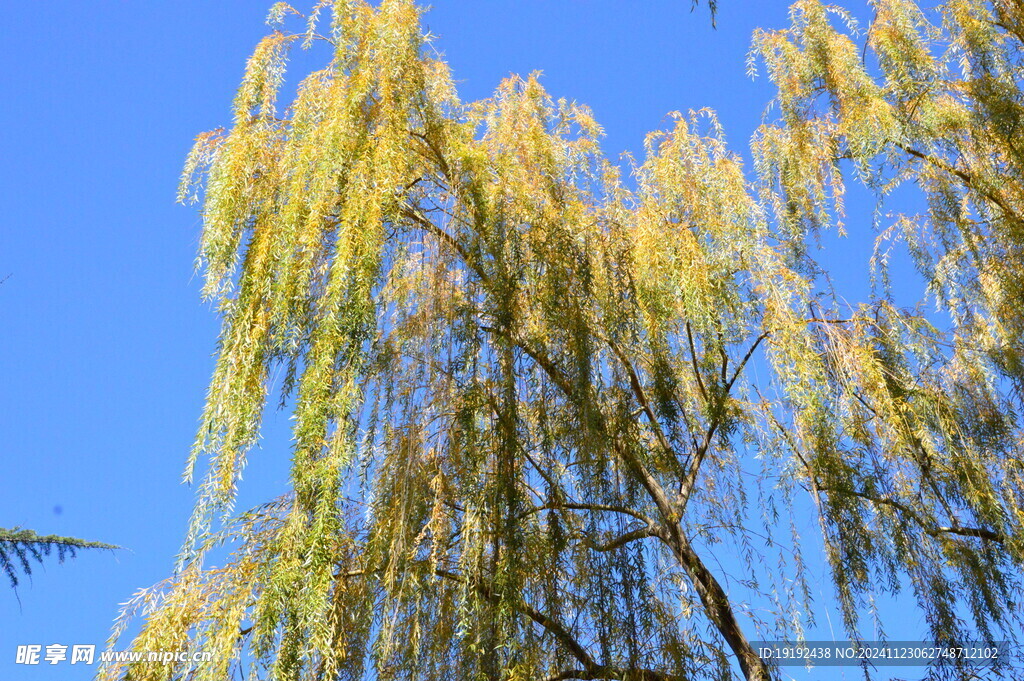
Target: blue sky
[{"x": 105, "y": 348}]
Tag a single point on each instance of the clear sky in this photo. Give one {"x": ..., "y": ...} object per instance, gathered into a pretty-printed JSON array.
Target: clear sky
[{"x": 105, "y": 348}]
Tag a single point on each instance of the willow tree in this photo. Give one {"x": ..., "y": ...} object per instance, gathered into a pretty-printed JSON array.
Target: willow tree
[{"x": 533, "y": 403}]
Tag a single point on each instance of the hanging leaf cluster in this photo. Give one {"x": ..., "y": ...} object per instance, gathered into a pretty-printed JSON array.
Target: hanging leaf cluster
[{"x": 534, "y": 400}]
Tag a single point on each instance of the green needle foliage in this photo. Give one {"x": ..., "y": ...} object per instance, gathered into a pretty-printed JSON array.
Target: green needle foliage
[
  {"x": 19, "y": 548},
  {"x": 533, "y": 405}
]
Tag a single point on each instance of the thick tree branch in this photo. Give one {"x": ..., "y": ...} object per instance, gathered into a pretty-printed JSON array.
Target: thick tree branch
[
  {"x": 444, "y": 236},
  {"x": 552, "y": 625},
  {"x": 717, "y": 606},
  {"x": 639, "y": 533}
]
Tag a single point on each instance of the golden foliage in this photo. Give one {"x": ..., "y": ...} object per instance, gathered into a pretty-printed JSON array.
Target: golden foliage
[{"x": 526, "y": 396}]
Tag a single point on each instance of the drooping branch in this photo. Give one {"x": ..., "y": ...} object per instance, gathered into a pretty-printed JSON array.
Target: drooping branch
[
  {"x": 552, "y": 625},
  {"x": 931, "y": 529},
  {"x": 963, "y": 175},
  {"x": 641, "y": 396}
]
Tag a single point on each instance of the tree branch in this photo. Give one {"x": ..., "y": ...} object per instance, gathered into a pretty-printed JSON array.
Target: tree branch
[
  {"x": 552, "y": 625},
  {"x": 415, "y": 216},
  {"x": 930, "y": 529},
  {"x": 639, "y": 533},
  {"x": 641, "y": 395},
  {"x": 693, "y": 360},
  {"x": 743, "y": 362},
  {"x": 689, "y": 481},
  {"x": 552, "y": 506},
  {"x": 717, "y": 606},
  {"x": 715, "y": 601},
  {"x": 608, "y": 672},
  {"x": 963, "y": 175}
]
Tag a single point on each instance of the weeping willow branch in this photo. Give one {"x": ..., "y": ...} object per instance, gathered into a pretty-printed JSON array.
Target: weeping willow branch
[
  {"x": 962, "y": 175},
  {"x": 548, "y": 623},
  {"x": 502, "y": 361},
  {"x": 929, "y": 528}
]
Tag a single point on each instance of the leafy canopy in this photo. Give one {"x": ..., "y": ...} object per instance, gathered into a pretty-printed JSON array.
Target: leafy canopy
[{"x": 533, "y": 401}]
